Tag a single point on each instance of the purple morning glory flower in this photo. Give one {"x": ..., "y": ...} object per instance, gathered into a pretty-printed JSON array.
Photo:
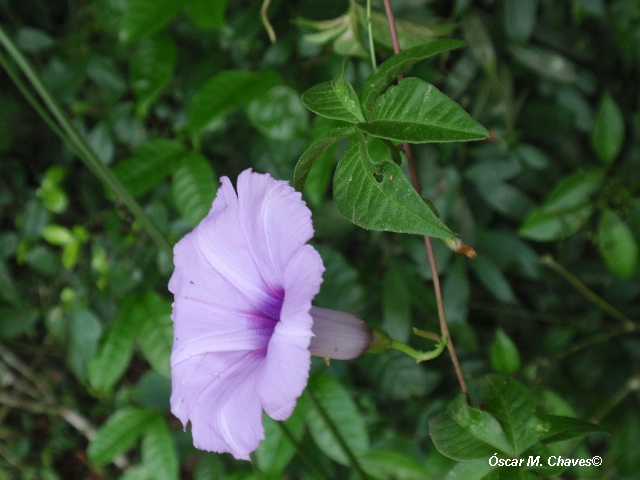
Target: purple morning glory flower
[{"x": 244, "y": 327}]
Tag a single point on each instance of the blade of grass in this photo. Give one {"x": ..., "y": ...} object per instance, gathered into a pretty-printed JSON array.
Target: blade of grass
[{"x": 78, "y": 143}]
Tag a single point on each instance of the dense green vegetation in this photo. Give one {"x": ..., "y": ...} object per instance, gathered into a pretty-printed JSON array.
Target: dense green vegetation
[{"x": 117, "y": 118}]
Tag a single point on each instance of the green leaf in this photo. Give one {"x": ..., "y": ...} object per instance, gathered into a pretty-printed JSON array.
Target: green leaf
[
  {"x": 33, "y": 39},
  {"x": 343, "y": 414},
  {"x": 471, "y": 470},
  {"x": 417, "y": 112},
  {"x": 142, "y": 17},
  {"x": 279, "y": 113},
  {"x": 149, "y": 164},
  {"x": 70, "y": 254},
  {"x": 57, "y": 235},
  {"x": 566, "y": 209},
  {"x": 99, "y": 139},
  {"x": 608, "y": 130},
  {"x": 341, "y": 288},
  {"x": 539, "y": 454},
  {"x": 512, "y": 404},
  {"x": 152, "y": 64},
  {"x": 317, "y": 148},
  {"x": 389, "y": 204},
  {"x": 152, "y": 317},
  {"x": 335, "y": 99},
  {"x": 14, "y": 321},
  {"x": 505, "y": 357},
  {"x": 33, "y": 221},
  {"x": 153, "y": 390},
  {"x": 544, "y": 226},
  {"x": 276, "y": 450},
  {"x": 617, "y": 244},
  {"x": 389, "y": 464},
  {"x": 388, "y": 71},
  {"x": 510, "y": 252},
  {"x": 398, "y": 376},
  {"x": 118, "y": 434},
  {"x": 194, "y": 187},
  {"x": 492, "y": 278},
  {"x": 481, "y": 47},
  {"x": 520, "y": 18},
  {"x": 546, "y": 63},
  {"x": 456, "y": 292},
  {"x": 84, "y": 333},
  {"x": 116, "y": 348},
  {"x": 553, "y": 428},
  {"x": 410, "y": 34},
  {"x": 225, "y": 91},
  {"x": 210, "y": 467},
  {"x": 159, "y": 455},
  {"x": 465, "y": 433},
  {"x": 207, "y": 14},
  {"x": 396, "y": 304}
]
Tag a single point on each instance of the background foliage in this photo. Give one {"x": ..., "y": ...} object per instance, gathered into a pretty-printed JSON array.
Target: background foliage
[{"x": 172, "y": 94}]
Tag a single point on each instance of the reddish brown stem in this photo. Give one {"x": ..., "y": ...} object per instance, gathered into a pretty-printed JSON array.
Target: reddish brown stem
[{"x": 444, "y": 328}]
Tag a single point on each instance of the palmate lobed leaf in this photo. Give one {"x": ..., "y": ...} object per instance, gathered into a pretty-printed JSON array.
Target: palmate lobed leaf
[
  {"x": 415, "y": 111},
  {"x": 389, "y": 204}
]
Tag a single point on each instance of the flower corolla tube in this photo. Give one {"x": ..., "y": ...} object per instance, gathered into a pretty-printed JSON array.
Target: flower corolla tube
[{"x": 244, "y": 326}]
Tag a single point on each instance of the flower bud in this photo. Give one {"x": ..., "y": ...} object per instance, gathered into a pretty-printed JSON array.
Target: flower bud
[{"x": 338, "y": 335}]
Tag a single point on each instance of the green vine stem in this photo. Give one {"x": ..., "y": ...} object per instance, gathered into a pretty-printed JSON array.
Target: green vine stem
[
  {"x": 372, "y": 49},
  {"x": 548, "y": 261},
  {"x": 585, "y": 343},
  {"x": 76, "y": 141},
  {"x": 444, "y": 328},
  {"x": 264, "y": 15}
]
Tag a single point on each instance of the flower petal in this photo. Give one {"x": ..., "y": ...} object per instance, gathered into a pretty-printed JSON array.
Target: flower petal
[
  {"x": 205, "y": 321},
  {"x": 227, "y": 251},
  {"x": 275, "y": 221},
  {"x": 285, "y": 371},
  {"x": 218, "y": 395}
]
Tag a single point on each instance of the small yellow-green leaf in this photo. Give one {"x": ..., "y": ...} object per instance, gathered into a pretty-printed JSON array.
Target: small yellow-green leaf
[
  {"x": 608, "y": 130},
  {"x": 617, "y": 244},
  {"x": 505, "y": 357}
]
